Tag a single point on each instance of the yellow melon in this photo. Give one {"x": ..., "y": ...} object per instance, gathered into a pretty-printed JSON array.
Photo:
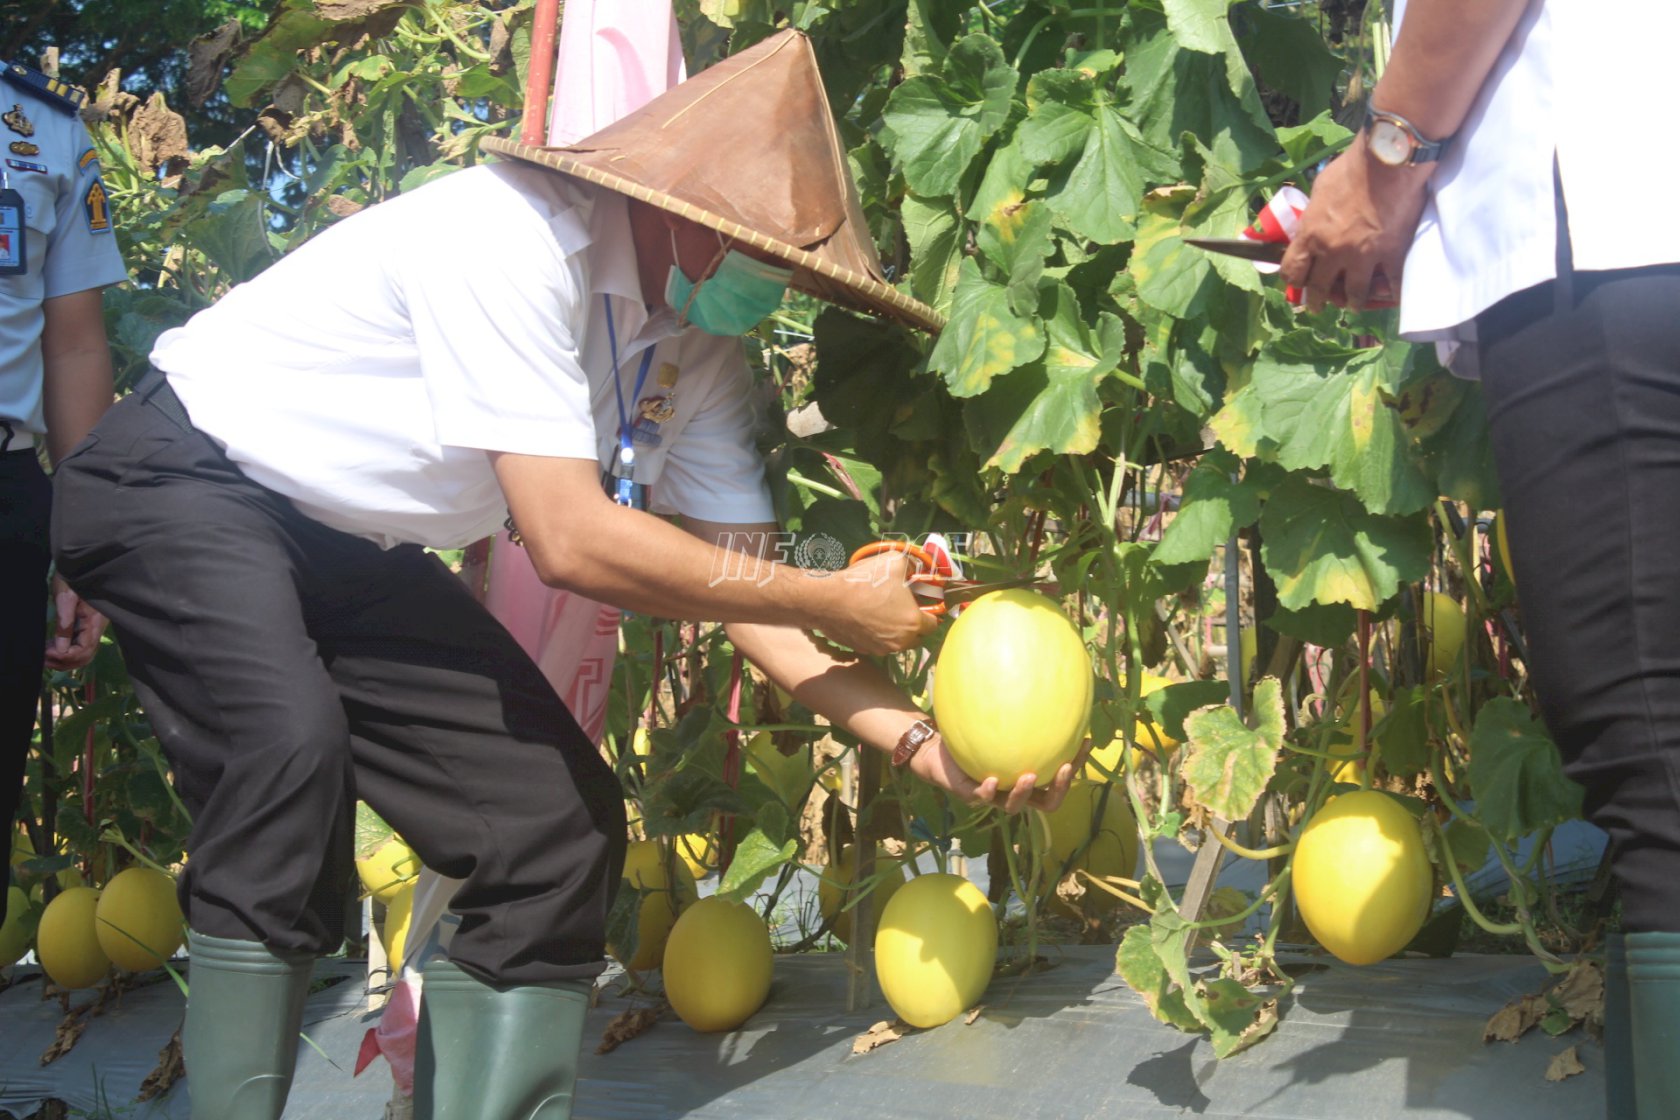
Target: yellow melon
[
  {"x": 385, "y": 871},
  {"x": 718, "y": 964},
  {"x": 1361, "y": 877},
  {"x": 935, "y": 949},
  {"x": 698, "y": 852},
  {"x": 1445, "y": 629},
  {"x": 138, "y": 919},
  {"x": 67, "y": 943},
  {"x": 399, "y": 914},
  {"x": 1012, "y": 689}
]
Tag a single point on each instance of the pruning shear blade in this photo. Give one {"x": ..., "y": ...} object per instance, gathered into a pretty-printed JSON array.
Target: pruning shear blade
[{"x": 1266, "y": 252}]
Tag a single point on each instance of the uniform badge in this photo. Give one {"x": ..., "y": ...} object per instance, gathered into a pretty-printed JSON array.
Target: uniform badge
[
  {"x": 17, "y": 122},
  {"x": 98, "y": 208},
  {"x": 656, "y": 410},
  {"x": 25, "y": 148},
  {"x": 25, "y": 165},
  {"x": 87, "y": 157}
]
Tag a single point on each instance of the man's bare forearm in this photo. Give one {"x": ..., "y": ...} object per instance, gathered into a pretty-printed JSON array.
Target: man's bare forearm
[
  {"x": 1443, "y": 55},
  {"x": 76, "y": 362}
]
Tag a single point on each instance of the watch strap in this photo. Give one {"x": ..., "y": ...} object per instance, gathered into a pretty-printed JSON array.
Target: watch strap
[{"x": 917, "y": 736}]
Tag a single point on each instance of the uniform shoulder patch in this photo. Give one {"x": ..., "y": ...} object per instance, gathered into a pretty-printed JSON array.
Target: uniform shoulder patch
[
  {"x": 87, "y": 157},
  {"x": 98, "y": 207},
  {"x": 60, "y": 95}
]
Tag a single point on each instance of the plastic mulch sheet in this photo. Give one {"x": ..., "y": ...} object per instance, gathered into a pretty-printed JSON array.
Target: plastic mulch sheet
[{"x": 1401, "y": 1038}]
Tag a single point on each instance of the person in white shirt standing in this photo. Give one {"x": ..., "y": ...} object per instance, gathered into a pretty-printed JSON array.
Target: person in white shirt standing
[
  {"x": 1502, "y": 187},
  {"x": 551, "y": 337}
]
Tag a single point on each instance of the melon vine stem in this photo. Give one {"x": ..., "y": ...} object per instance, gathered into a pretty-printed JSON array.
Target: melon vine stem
[{"x": 1242, "y": 852}]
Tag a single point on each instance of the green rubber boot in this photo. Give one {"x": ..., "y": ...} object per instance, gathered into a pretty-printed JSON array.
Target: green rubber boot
[
  {"x": 244, "y": 1010},
  {"x": 1653, "y": 971},
  {"x": 486, "y": 1053},
  {"x": 1618, "y": 1034}
]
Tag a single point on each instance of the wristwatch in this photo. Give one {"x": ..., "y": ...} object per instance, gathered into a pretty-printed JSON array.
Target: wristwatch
[
  {"x": 1394, "y": 141},
  {"x": 919, "y": 735}
]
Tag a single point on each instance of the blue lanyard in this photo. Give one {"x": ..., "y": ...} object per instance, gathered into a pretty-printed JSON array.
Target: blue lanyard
[{"x": 626, "y": 491}]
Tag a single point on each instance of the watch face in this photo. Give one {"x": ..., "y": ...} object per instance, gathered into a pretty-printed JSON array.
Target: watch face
[{"x": 1389, "y": 143}]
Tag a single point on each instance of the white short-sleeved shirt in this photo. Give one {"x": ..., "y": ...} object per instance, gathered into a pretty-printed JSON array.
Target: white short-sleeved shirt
[
  {"x": 365, "y": 375},
  {"x": 1489, "y": 227},
  {"x": 68, "y": 245}
]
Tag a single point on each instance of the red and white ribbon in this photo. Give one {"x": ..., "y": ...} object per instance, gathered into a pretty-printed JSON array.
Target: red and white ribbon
[{"x": 1278, "y": 222}]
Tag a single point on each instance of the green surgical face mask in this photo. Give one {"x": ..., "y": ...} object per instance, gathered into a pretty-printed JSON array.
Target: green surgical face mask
[{"x": 732, "y": 300}]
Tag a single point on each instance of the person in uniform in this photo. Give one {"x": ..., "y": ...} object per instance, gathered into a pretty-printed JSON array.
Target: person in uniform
[
  {"x": 56, "y": 254},
  {"x": 552, "y": 336}
]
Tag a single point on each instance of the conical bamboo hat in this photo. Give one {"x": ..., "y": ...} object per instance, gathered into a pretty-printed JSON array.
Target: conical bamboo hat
[{"x": 749, "y": 148}]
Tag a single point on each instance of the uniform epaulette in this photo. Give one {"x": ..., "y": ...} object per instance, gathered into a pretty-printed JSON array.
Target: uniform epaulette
[{"x": 60, "y": 95}]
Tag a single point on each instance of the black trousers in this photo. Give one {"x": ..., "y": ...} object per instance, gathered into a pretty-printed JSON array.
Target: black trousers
[
  {"x": 25, "y": 498},
  {"x": 1582, "y": 378},
  {"x": 289, "y": 668}
]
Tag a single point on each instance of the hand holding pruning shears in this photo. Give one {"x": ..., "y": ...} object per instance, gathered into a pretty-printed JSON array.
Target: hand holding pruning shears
[{"x": 934, "y": 576}]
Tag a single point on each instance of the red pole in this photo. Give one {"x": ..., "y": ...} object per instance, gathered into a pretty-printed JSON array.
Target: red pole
[{"x": 539, "y": 77}]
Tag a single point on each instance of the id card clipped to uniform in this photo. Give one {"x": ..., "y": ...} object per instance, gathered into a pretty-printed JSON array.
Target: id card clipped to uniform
[{"x": 14, "y": 249}]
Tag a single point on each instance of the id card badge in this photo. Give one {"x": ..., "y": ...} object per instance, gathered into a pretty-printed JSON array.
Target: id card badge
[
  {"x": 619, "y": 484},
  {"x": 14, "y": 249}
]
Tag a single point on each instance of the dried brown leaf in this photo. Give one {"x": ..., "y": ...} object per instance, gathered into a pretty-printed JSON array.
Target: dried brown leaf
[
  {"x": 627, "y": 1025},
  {"x": 69, "y": 1033},
  {"x": 157, "y": 133},
  {"x": 1566, "y": 1064},
  {"x": 274, "y": 124},
  {"x": 206, "y": 56},
  {"x": 973, "y": 1015},
  {"x": 1515, "y": 1019},
  {"x": 340, "y": 207},
  {"x": 887, "y": 1030},
  {"x": 1581, "y": 993},
  {"x": 501, "y": 34},
  {"x": 170, "y": 1069},
  {"x": 1071, "y": 890}
]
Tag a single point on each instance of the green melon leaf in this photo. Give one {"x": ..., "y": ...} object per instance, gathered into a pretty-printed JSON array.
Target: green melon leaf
[
  {"x": 937, "y": 122},
  {"x": 1321, "y": 406},
  {"x": 756, "y": 856},
  {"x": 1213, "y": 507},
  {"x": 984, "y": 338},
  {"x": 1210, "y": 96},
  {"x": 1015, "y": 235},
  {"x": 1140, "y": 965},
  {"x": 1228, "y": 764},
  {"x": 1096, "y": 185},
  {"x": 1057, "y": 397},
  {"x": 1236, "y": 1017},
  {"x": 934, "y": 230},
  {"x": 1516, "y": 773},
  {"x": 1200, "y": 25},
  {"x": 1321, "y": 545},
  {"x": 1291, "y": 56},
  {"x": 1403, "y": 736}
]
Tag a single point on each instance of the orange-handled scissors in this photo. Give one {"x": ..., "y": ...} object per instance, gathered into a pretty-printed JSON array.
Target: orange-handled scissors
[{"x": 933, "y": 576}]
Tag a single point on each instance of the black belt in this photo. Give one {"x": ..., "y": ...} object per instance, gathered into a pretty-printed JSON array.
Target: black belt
[{"x": 154, "y": 390}]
